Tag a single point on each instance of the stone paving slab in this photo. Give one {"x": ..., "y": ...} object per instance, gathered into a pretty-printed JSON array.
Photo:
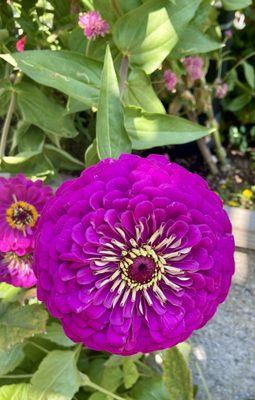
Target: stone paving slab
[{"x": 225, "y": 348}]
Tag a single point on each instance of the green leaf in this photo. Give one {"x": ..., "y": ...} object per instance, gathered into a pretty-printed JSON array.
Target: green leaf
[
  {"x": 139, "y": 92},
  {"x": 15, "y": 392},
  {"x": 10, "y": 359},
  {"x": 8, "y": 292},
  {"x": 148, "y": 42},
  {"x": 61, "y": 159},
  {"x": 181, "y": 12},
  {"x": 31, "y": 140},
  {"x": 57, "y": 375},
  {"x": 42, "y": 111},
  {"x": 131, "y": 373},
  {"x": 31, "y": 164},
  {"x": 177, "y": 376},
  {"x": 55, "y": 334},
  {"x": 112, "y": 139},
  {"x": 249, "y": 74},
  {"x": 19, "y": 322},
  {"x": 150, "y": 389},
  {"x": 69, "y": 72},
  {"x": 193, "y": 41},
  {"x": 73, "y": 106},
  {"x": 111, "y": 378},
  {"x": 152, "y": 130},
  {"x": 239, "y": 102},
  {"x": 91, "y": 156},
  {"x": 231, "y": 5}
]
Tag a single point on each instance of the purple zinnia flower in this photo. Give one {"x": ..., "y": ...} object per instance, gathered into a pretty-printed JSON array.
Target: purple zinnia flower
[
  {"x": 194, "y": 67},
  {"x": 170, "y": 79},
  {"x": 133, "y": 255},
  {"x": 21, "y": 203},
  {"x": 17, "y": 269},
  {"x": 93, "y": 24},
  {"x": 221, "y": 90}
]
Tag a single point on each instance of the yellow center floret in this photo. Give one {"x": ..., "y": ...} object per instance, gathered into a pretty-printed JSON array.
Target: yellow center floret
[{"x": 21, "y": 215}]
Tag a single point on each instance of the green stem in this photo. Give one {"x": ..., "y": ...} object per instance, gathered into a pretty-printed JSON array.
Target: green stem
[
  {"x": 7, "y": 124},
  {"x": 116, "y": 8},
  {"x": 92, "y": 385},
  {"x": 16, "y": 376},
  {"x": 239, "y": 63},
  {"x": 220, "y": 151},
  {"x": 78, "y": 351},
  {"x": 38, "y": 346},
  {"x": 201, "y": 375},
  {"x": 87, "y": 47},
  {"x": 123, "y": 74}
]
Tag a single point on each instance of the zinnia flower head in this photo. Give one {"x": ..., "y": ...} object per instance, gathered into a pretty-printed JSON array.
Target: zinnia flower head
[
  {"x": 221, "y": 90},
  {"x": 93, "y": 24},
  {"x": 194, "y": 67},
  {"x": 133, "y": 255},
  {"x": 170, "y": 79},
  {"x": 17, "y": 269},
  {"x": 21, "y": 203},
  {"x": 20, "y": 44}
]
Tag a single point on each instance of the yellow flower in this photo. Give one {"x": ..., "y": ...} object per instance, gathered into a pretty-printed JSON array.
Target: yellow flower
[
  {"x": 233, "y": 203},
  {"x": 247, "y": 194}
]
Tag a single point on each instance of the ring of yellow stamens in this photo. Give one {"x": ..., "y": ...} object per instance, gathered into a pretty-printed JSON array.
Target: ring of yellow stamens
[
  {"x": 128, "y": 260},
  {"x": 21, "y": 215}
]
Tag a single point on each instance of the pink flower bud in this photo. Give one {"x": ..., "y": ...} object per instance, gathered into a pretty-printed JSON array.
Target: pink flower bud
[
  {"x": 170, "y": 80},
  {"x": 194, "y": 67},
  {"x": 20, "y": 44},
  {"x": 229, "y": 34},
  {"x": 221, "y": 90},
  {"x": 93, "y": 25}
]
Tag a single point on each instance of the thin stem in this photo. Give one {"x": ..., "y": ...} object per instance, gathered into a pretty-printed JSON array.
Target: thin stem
[
  {"x": 123, "y": 74},
  {"x": 16, "y": 376},
  {"x": 239, "y": 63},
  {"x": 78, "y": 351},
  {"x": 221, "y": 153},
  {"x": 87, "y": 47},
  {"x": 38, "y": 346},
  {"x": 116, "y": 8},
  {"x": 87, "y": 382},
  {"x": 201, "y": 375},
  {"x": 7, "y": 124},
  {"x": 206, "y": 153}
]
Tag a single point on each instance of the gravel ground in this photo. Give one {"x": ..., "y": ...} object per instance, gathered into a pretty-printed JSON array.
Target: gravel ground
[{"x": 225, "y": 348}]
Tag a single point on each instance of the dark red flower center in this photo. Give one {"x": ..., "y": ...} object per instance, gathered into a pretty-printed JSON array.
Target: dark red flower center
[{"x": 142, "y": 270}]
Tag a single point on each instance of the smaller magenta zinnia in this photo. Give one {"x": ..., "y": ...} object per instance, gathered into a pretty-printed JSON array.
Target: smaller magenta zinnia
[
  {"x": 170, "y": 80},
  {"x": 21, "y": 203},
  {"x": 16, "y": 269},
  {"x": 93, "y": 25}
]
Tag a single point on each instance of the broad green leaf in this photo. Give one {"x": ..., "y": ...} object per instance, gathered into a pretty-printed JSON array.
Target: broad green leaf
[
  {"x": 139, "y": 92},
  {"x": 249, "y": 74},
  {"x": 41, "y": 110},
  {"x": 10, "y": 359},
  {"x": 69, "y": 72},
  {"x": 55, "y": 333},
  {"x": 111, "y": 378},
  {"x": 32, "y": 140},
  {"x": 73, "y": 106},
  {"x": 57, "y": 375},
  {"x": 112, "y": 139},
  {"x": 61, "y": 159},
  {"x": 130, "y": 372},
  {"x": 152, "y": 130},
  {"x": 231, "y": 5},
  {"x": 193, "y": 41},
  {"x": 148, "y": 42},
  {"x": 181, "y": 12},
  {"x": 31, "y": 163},
  {"x": 19, "y": 391},
  {"x": 8, "y": 292},
  {"x": 177, "y": 376},
  {"x": 150, "y": 389},
  {"x": 19, "y": 322},
  {"x": 239, "y": 102},
  {"x": 91, "y": 156},
  {"x": 5, "y": 96},
  {"x": 185, "y": 350}
]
